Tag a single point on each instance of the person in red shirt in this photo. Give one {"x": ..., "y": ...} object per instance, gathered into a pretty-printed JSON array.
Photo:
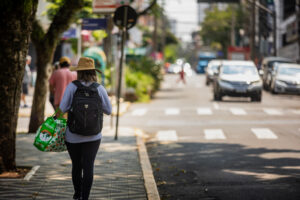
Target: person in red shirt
[
  {"x": 181, "y": 75},
  {"x": 60, "y": 79}
]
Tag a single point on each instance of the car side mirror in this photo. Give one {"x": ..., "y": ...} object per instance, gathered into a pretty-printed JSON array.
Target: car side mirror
[{"x": 261, "y": 72}]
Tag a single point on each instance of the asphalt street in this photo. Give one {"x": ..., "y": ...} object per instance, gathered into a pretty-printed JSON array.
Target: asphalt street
[{"x": 234, "y": 149}]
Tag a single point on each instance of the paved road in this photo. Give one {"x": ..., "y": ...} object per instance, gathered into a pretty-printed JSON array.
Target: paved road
[{"x": 234, "y": 149}]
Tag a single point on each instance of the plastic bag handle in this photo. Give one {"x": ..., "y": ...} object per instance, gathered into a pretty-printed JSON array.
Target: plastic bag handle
[{"x": 54, "y": 115}]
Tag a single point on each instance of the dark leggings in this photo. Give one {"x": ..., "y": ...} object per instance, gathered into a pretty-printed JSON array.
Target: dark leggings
[{"x": 83, "y": 156}]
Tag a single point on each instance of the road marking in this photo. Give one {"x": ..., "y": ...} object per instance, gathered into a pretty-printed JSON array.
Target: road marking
[
  {"x": 169, "y": 135},
  {"x": 214, "y": 134},
  {"x": 216, "y": 106},
  {"x": 204, "y": 111},
  {"x": 238, "y": 111},
  {"x": 272, "y": 111},
  {"x": 199, "y": 85},
  {"x": 264, "y": 133},
  {"x": 296, "y": 112},
  {"x": 172, "y": 111},
  {"x": 31, "y": 173},
  {"x": 139, "y": 112}
]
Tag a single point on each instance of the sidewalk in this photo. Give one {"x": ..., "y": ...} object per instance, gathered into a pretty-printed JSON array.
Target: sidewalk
[
  {"x": 122, "y": 167},
  {"x": 117, "y": 175}
]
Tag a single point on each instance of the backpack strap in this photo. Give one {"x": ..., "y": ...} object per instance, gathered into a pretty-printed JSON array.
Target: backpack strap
[
  {"x": 94, "y": 85},
  {"x": 77, "y": 83}
]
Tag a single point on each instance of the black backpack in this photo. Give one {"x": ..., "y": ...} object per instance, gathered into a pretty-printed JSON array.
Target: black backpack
[{"x": 85, "y": 116}]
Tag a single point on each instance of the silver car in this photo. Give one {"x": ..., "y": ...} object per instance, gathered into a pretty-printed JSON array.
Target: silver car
[
  {"x": 238, "y": 78},
  {"x": 286, "y": 78},
  {"x": 211, "y": 69}
]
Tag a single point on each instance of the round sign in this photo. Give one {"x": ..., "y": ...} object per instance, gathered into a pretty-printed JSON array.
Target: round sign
[{"x": 119, "y": 17}]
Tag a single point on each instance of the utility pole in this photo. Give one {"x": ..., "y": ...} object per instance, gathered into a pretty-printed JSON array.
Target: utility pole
[
  {"x": 273, "y": 14},
  {"x": 252, "y": 36},
  {"x": 298, "y": 25},
  {"x": 163, "y": 42}
]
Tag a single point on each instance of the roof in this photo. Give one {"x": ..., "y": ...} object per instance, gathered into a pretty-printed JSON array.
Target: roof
[
  {"x": 238, "y": 62},
  {"x": 273, "y": 58},
  {"x": 294, "y": 65}
]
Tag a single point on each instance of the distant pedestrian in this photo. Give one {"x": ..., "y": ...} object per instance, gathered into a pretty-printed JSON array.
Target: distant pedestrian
[
  {"x": 60, "y": 79},
  {"x": 26, "y": 81},
  {"x": 51, "y": 96},
  {"x": 181, "y": 75},
  {"x": 85, "y": 101}
]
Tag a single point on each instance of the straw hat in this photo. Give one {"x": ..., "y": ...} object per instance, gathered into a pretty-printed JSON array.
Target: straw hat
[{"x": 85, "y": 64}]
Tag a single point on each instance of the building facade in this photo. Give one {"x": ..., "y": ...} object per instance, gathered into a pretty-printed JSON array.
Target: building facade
[{"x": 287, "y": 38}]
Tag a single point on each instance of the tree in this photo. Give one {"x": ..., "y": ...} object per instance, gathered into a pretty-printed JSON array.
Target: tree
[
  {"x": 45, "y": 44},
  {"x": 16, "y": 18},
  {"x": 62, "y": 13},
  {"x": 216, "y": 26}
]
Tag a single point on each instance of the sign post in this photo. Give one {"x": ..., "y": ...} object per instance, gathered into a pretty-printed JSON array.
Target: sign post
[{"x": 125, "y": 18}]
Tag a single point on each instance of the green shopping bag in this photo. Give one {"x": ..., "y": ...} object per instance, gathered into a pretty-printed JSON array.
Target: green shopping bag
[{"x": 50, "y": 137}]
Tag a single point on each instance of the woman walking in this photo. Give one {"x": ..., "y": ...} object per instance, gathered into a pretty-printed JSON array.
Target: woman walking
[{"x": 85, "y": 101}]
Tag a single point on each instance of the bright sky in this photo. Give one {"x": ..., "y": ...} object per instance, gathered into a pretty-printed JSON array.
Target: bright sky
[{"x": 185, "y": 13}]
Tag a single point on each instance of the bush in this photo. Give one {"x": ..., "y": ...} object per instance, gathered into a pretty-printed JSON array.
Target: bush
[
  {"x": 147, "y": 66},
  {"x": 141, "y": 83}
]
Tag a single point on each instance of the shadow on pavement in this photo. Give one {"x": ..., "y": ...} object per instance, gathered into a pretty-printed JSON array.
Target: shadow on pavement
[{"x": 224, "y": 171}]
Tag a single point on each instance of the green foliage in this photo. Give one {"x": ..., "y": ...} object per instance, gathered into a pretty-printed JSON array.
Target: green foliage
[
  {"x": 55, "y": 5},
  {"x": 141, "y": 82},
  {"x": 99, "y": 35},
  {"x": 171, "y": 53},
  {"x": 144, "y": 76},
  {"x": 217, "y": 25}
]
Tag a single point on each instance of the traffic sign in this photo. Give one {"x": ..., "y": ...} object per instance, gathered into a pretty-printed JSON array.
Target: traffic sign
[
  {"x": 93, "y": 24},
  {"x": 131, "y": 16},
  {"x": 108, "y": 6}
]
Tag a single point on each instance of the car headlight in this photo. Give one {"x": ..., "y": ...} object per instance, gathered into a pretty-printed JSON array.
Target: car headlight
[
  {"x": 225, "y": 84},
  {"x": 282, "y": 83},
  {"x": 256, "y": 83}
]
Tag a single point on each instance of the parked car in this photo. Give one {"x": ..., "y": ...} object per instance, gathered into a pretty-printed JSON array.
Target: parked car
[
  {"x": 238, "y": 79},
  {"x": 268, "y": 66},
  {"x": 211, "y": 69},
  {"x": 286, "y": 78}
]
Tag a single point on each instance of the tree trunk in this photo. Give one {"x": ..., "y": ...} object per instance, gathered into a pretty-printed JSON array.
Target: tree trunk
[
  {"x": 45, "y": 44},
  {"x": 41, "y": 88},
  {"x": 16, "y": 23}
]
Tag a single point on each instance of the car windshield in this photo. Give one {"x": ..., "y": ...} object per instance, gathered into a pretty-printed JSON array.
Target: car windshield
[
  {"x": 214, "y": 67},
  {"x": 238, "y": 69},
  {"x": 290, "y": 71}
]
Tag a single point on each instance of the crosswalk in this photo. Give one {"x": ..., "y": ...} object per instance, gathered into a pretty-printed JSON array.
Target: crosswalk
[
  {"x": 207, "y": 111},
  {"x": 215, "y": 134}
]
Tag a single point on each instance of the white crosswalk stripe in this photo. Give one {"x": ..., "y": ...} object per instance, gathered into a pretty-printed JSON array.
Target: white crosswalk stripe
[
  {"x": 167, "y": 135},
  {"x": 216, "y": 106},
  {"x": 204, "y": 111},
  {"x": 238, "y": 111},
  {"x": 139, "y": 112},
  {"x": 214, "y": 134},
  {"x": 172, "y": 111},
  {"x": 296, "y": 112},
  {"x": 264, "y": 133},
  {"x": 272, "y": 111},
  {"x": 199, "y": 85}
]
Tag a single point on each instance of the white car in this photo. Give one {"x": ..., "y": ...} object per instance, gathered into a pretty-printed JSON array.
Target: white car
[
  {"x": 238, "y": 78},
  {"x": 286, "y": 78}
]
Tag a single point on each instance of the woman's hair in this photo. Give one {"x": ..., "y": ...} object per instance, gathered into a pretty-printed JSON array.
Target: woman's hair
[{"x": 87, "y": 75}]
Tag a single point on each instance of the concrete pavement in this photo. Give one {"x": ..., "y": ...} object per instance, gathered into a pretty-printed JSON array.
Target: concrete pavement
[{"x": 122, "y": 167}]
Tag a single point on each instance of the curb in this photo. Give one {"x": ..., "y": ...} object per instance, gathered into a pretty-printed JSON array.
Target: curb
[{"x": 150, "y": 184}]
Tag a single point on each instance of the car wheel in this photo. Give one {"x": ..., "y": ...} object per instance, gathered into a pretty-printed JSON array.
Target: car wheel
[
  {"x": 217, "y": 97},
  {"x": 207, "y": 82},
  {"x": 273, "y": 90},
  {"x": 256, "y": 98}
]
